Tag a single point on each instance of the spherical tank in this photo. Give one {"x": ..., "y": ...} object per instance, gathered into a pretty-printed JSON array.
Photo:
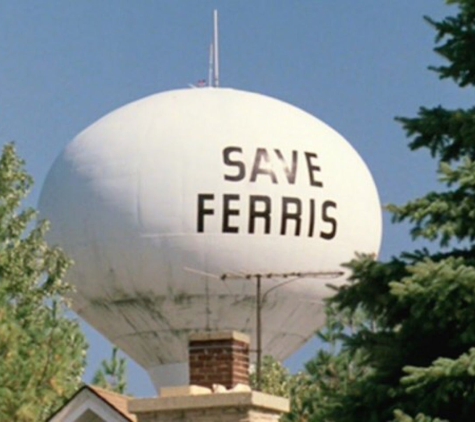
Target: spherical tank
[{"x": 172, "y": 205}]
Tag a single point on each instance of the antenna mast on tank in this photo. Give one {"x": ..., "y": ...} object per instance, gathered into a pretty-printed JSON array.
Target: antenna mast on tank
[
  {"x": 210, "y": 68},
  {"x": 215, "y": 53}
]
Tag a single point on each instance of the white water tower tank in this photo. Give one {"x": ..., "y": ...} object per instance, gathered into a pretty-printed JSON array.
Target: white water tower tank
[{"x": 160, "y": 199}]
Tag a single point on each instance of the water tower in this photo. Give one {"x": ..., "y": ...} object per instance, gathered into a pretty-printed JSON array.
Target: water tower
[
  {"x": 168, "y": 203},
  {"x": 171, "y": 205}
]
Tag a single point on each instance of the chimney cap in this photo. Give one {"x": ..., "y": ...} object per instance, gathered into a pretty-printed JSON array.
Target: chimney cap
[{"x": 219, "y": 335}]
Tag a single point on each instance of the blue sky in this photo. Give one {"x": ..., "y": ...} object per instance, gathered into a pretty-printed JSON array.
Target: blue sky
[{"x": 355, "y": 65}]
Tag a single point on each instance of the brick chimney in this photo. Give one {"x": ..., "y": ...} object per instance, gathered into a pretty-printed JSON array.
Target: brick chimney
[
  {"x": 219, "y": 358},
  {"x": 215, "y": 358}
]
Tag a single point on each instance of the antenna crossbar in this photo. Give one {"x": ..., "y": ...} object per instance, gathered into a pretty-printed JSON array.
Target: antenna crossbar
[{"x": 298, "y": 274}]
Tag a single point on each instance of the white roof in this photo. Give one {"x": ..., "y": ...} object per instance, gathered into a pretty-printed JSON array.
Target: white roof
[{"x": 93, "y": 404}]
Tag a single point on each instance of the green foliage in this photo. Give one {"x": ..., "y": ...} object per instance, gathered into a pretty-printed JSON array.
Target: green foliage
[
  {"x": 434, "y": 217},
  {"x": 275, "y": 378},
  {"x": 411, "y": 355},
  {"x": 112, "y": 375},
  {"x": 331, "y": 372},
  {"x": 402, "y": 417},
  {"x": 42, "y": 352},
  {"x": 418, "y": 357},
  {"x": 455, "y": 35},
  {"x": 430, "y": 314}
]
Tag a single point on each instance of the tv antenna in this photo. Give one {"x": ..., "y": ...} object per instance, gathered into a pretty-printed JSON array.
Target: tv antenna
[
  {"x": 261, "y": 296},
  {"x": 213, "y": 75},
  {"x": 213, "y": 68}
]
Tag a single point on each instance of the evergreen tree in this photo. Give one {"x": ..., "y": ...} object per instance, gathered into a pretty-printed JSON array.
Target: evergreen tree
[
  {"x": 420, "y": 359},
  {"x": 331, "y": 372},
  {"x": 112, "y": 375},
  {"x": 42, "y": 352}
]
